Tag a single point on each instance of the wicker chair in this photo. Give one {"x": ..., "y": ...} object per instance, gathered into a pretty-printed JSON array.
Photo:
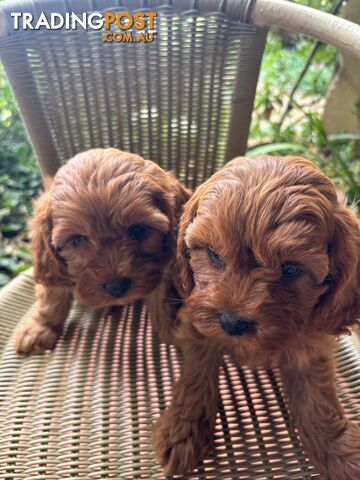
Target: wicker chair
[{"x": 185, "y": 101}]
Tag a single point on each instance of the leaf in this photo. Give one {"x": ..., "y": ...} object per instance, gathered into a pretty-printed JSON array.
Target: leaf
[
  {"x": 276, "y": 148},
  {"x": 4, "y": 212},
  {"x": 8, "y": 263},
  {"x": 11, "y": 229},
  {"x": 24, "y": 253},
  {"x": 343, "y": 137},
  {"x": 4, "y": 279},
  {"x": 21, "y": 268}
]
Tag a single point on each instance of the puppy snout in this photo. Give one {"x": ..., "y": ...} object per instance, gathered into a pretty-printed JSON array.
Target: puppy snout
[
  {"x": 118, "y": 288},
  {"x": 234, "y": 325}
]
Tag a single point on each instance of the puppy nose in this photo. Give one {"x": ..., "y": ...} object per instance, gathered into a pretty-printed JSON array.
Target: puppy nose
[
  {"x": 234, "y": 325},
  {"x": 118, "y": 288}
]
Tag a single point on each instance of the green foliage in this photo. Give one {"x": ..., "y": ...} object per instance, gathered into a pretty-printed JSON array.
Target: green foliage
[
  {"x": 19, "y": 183},
  {"x": 302, "y": 131}
]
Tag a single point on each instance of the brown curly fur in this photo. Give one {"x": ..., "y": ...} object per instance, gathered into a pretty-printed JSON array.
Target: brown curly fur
[
  {"x": 101, "y": 194},
  {"x": 258, "y": 214}
]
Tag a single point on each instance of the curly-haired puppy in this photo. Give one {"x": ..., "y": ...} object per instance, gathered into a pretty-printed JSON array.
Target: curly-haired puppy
[
  {"x": 270, "y": 263},
  {"x": 104, "y": 232}
]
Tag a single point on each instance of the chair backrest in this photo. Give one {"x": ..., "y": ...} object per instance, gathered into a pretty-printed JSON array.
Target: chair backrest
[{"x": 184, "y": 100}]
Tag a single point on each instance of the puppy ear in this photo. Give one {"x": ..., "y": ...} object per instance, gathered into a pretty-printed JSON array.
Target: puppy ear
[
  {"x": 183, "y": 257},
  {"x": 49, "y": 268},
  {"x": 339, "y": 306},
  {"x": 182, "y": 195}
]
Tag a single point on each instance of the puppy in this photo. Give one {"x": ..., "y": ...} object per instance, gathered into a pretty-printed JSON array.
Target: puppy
[
  {"x": 104, "y": 232},
  {"x": 270, "y": 262}
]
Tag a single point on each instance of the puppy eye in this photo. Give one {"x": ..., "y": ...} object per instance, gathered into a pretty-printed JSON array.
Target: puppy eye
[
  {"x": 138, "y": 232},
  {"x": 215, "y": 258},
  {"x": 78, "y": 240},
  {"x": 290, "y": 270}
]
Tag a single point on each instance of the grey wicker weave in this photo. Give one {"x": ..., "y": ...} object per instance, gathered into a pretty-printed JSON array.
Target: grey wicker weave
[{"x": 185, "y": 101}]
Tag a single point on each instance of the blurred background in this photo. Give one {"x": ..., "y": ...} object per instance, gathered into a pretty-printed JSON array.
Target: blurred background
[{"x": 307, "y": 103}]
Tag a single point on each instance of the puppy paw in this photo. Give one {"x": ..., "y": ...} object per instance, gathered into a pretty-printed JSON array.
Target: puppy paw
[
  {"x": 179, "y": 443},
  {"x": 34, "y": 337}
]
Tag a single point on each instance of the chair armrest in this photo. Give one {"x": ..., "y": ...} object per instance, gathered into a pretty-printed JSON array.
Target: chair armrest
[{"x": 323, "y": 26}]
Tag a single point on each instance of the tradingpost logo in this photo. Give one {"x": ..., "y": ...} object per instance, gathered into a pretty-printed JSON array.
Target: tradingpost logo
[
  {"x": 121, "y": 27},
  {"x": 142, "y": 25}
]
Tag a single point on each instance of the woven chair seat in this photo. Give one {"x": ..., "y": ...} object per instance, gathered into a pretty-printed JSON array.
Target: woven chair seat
[{"x": 85, "y": 410}]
